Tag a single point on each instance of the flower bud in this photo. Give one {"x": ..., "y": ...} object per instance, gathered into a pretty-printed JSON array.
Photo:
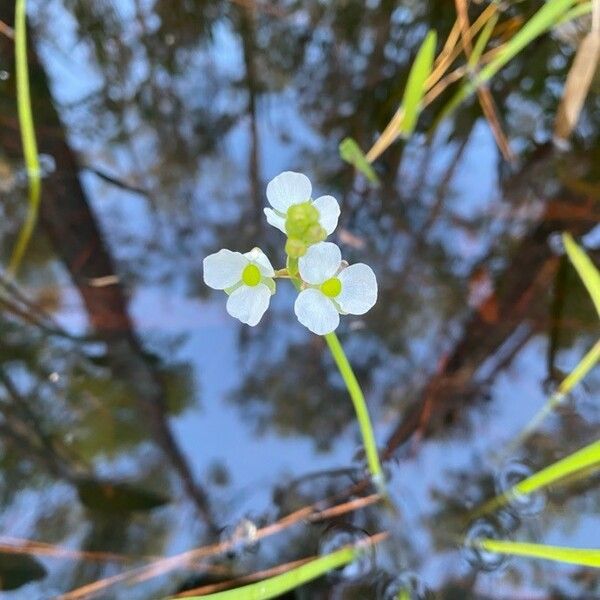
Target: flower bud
[
  {"x": 314, "y": 234},
  {"x": 295, "y": 248},
  {"x": 299, "y": 218}
]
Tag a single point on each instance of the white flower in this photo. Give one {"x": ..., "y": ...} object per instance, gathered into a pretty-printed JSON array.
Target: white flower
[
  {"x": 332, "y": 289},
  {"x": 247, "y": 278},
  {"x": 290, "y": 188}
]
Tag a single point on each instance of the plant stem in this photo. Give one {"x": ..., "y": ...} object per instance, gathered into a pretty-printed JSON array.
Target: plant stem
[
  {"x": 27, "y": 137},
  {"x": 360, "y": 407}
]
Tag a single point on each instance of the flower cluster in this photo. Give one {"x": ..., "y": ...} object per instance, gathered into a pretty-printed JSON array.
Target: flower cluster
[{"x": 328, "y": 286}]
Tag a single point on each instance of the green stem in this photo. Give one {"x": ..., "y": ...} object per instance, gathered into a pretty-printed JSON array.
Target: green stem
[
  {"x": 360, "y": 407},
  {"x": 27, "y": 136},
  {"x": 292, "y": 268}
]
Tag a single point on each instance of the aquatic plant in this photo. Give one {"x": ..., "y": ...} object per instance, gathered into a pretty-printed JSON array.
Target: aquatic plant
[
  {"x": 328, "y": 287},
  {"x": 28, "y": 139}
]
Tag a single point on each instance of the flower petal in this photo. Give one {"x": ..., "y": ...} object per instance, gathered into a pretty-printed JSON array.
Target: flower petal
[
  {"x": 317, "y": 312},
  {"x": 223, "y": 269},
  {"x": 320, "y": 262},
  {"x": 359, "y": 289},
  {"x": 329, "y": 211},
  {"x": 274, "y": 219},
  {"x": 249, "y": 304},
  {"x": 256, "y": 255},
  {"x": 288, "y": 188}
]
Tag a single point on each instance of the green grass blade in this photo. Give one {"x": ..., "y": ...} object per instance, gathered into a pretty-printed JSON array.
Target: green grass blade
[
  {"x": 543, "y": 20},
  {"x": 582, "y": 459},
  {"x": 482, "y": 41},
  {"x": 350, "y": 152},
  {"x": 587, "y": 459},
  {"x": 27, "y": 136},
  {"x": 279, "y": 584},
  {"x": 576, "y": 12},
  {"x": 552, "y": 13},
  {"x": 360, "y": 407},
  {"x": 415, "y": 86},
  {"x": 590, "y": 276},
  {"x": 585, "y": 268},
  {"x": 577, "y": 556},
  {"x": 585, "y": 365}
]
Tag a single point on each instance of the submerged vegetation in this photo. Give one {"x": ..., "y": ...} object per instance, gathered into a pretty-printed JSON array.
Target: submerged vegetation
[{"x": 96, "y": 409}]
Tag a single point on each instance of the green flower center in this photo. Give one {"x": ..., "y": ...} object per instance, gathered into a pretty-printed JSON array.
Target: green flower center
[
  {"x": 251, "y": 275},
  {"x": 332, "y": 287}
]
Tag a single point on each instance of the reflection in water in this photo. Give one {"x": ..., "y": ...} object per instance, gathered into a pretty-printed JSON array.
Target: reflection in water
[
  {"x": 137, "y": 420},
  {"x": 337, "y": 537},
  {"x": 480, "y": 558},
  {"x": 510, "y": 475}
]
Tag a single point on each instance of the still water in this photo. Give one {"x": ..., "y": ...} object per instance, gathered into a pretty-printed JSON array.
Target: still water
[{"x": 138, "y": 420}]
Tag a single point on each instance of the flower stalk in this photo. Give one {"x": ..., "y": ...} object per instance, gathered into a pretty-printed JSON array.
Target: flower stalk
[{"x": 360, "y": 408}]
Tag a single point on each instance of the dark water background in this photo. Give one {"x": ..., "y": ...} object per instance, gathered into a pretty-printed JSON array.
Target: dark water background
[{"x": 137, "y": 417}]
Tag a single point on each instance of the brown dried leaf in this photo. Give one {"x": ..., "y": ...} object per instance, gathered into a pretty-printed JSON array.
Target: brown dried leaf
[{"x": 577, "y": 85}]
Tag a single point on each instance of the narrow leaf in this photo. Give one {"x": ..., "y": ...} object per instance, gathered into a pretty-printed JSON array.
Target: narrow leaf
[
  {"x": 482, "y": 41},
  {"x": 585, "y": 268},
  {"x": 577, "y": 85},
  {"x": 587, "y": 459},
  {"x": 350, "y": 152},
  {"x": 415, "y": 86},
  {"x": 274, "y": 586},
  {"x": 543, "y": 20},
  {"x": 589, "y": 456},
  {"x": 574, "y": 13},
  {"x": 577, "y": 556},
  {"x": 584, "y": 366}
]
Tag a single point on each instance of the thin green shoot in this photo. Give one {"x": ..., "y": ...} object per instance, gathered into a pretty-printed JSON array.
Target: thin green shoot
[
  {"x": 583, "y": 557},
  {"x": 27, "y": 137},
  {"x": 350, "y": 152},
  {"x": 577, "y": 11},
  {"x": 415, "y": 86},
  {"x": 585, "y": 365},
  {"x": 588, "y": 458},
  {"x": 360, "y": 407},
  {"x": 591, "y": 279},
  {"x": 551, "y": 13},
  {"x": 585, "y": 268},
  {"x": 482, "y": 41},
  {"x": 279, "y": 584}
]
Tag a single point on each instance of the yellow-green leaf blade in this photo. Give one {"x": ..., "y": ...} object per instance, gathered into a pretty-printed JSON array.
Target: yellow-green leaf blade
[
  {"x": 279, "y": 584},
  {"x": 589, "y": 456},
  {"x": 350, "y": 152},
  {"x": 584, "y": 557},
  {"x": 415, "y": 86},
  {"x": 482, "y": 41},
  {"x": 585, "y": 460},
  {"x": 585, "y": 267},
  {"x": 552, "y": 13}
]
